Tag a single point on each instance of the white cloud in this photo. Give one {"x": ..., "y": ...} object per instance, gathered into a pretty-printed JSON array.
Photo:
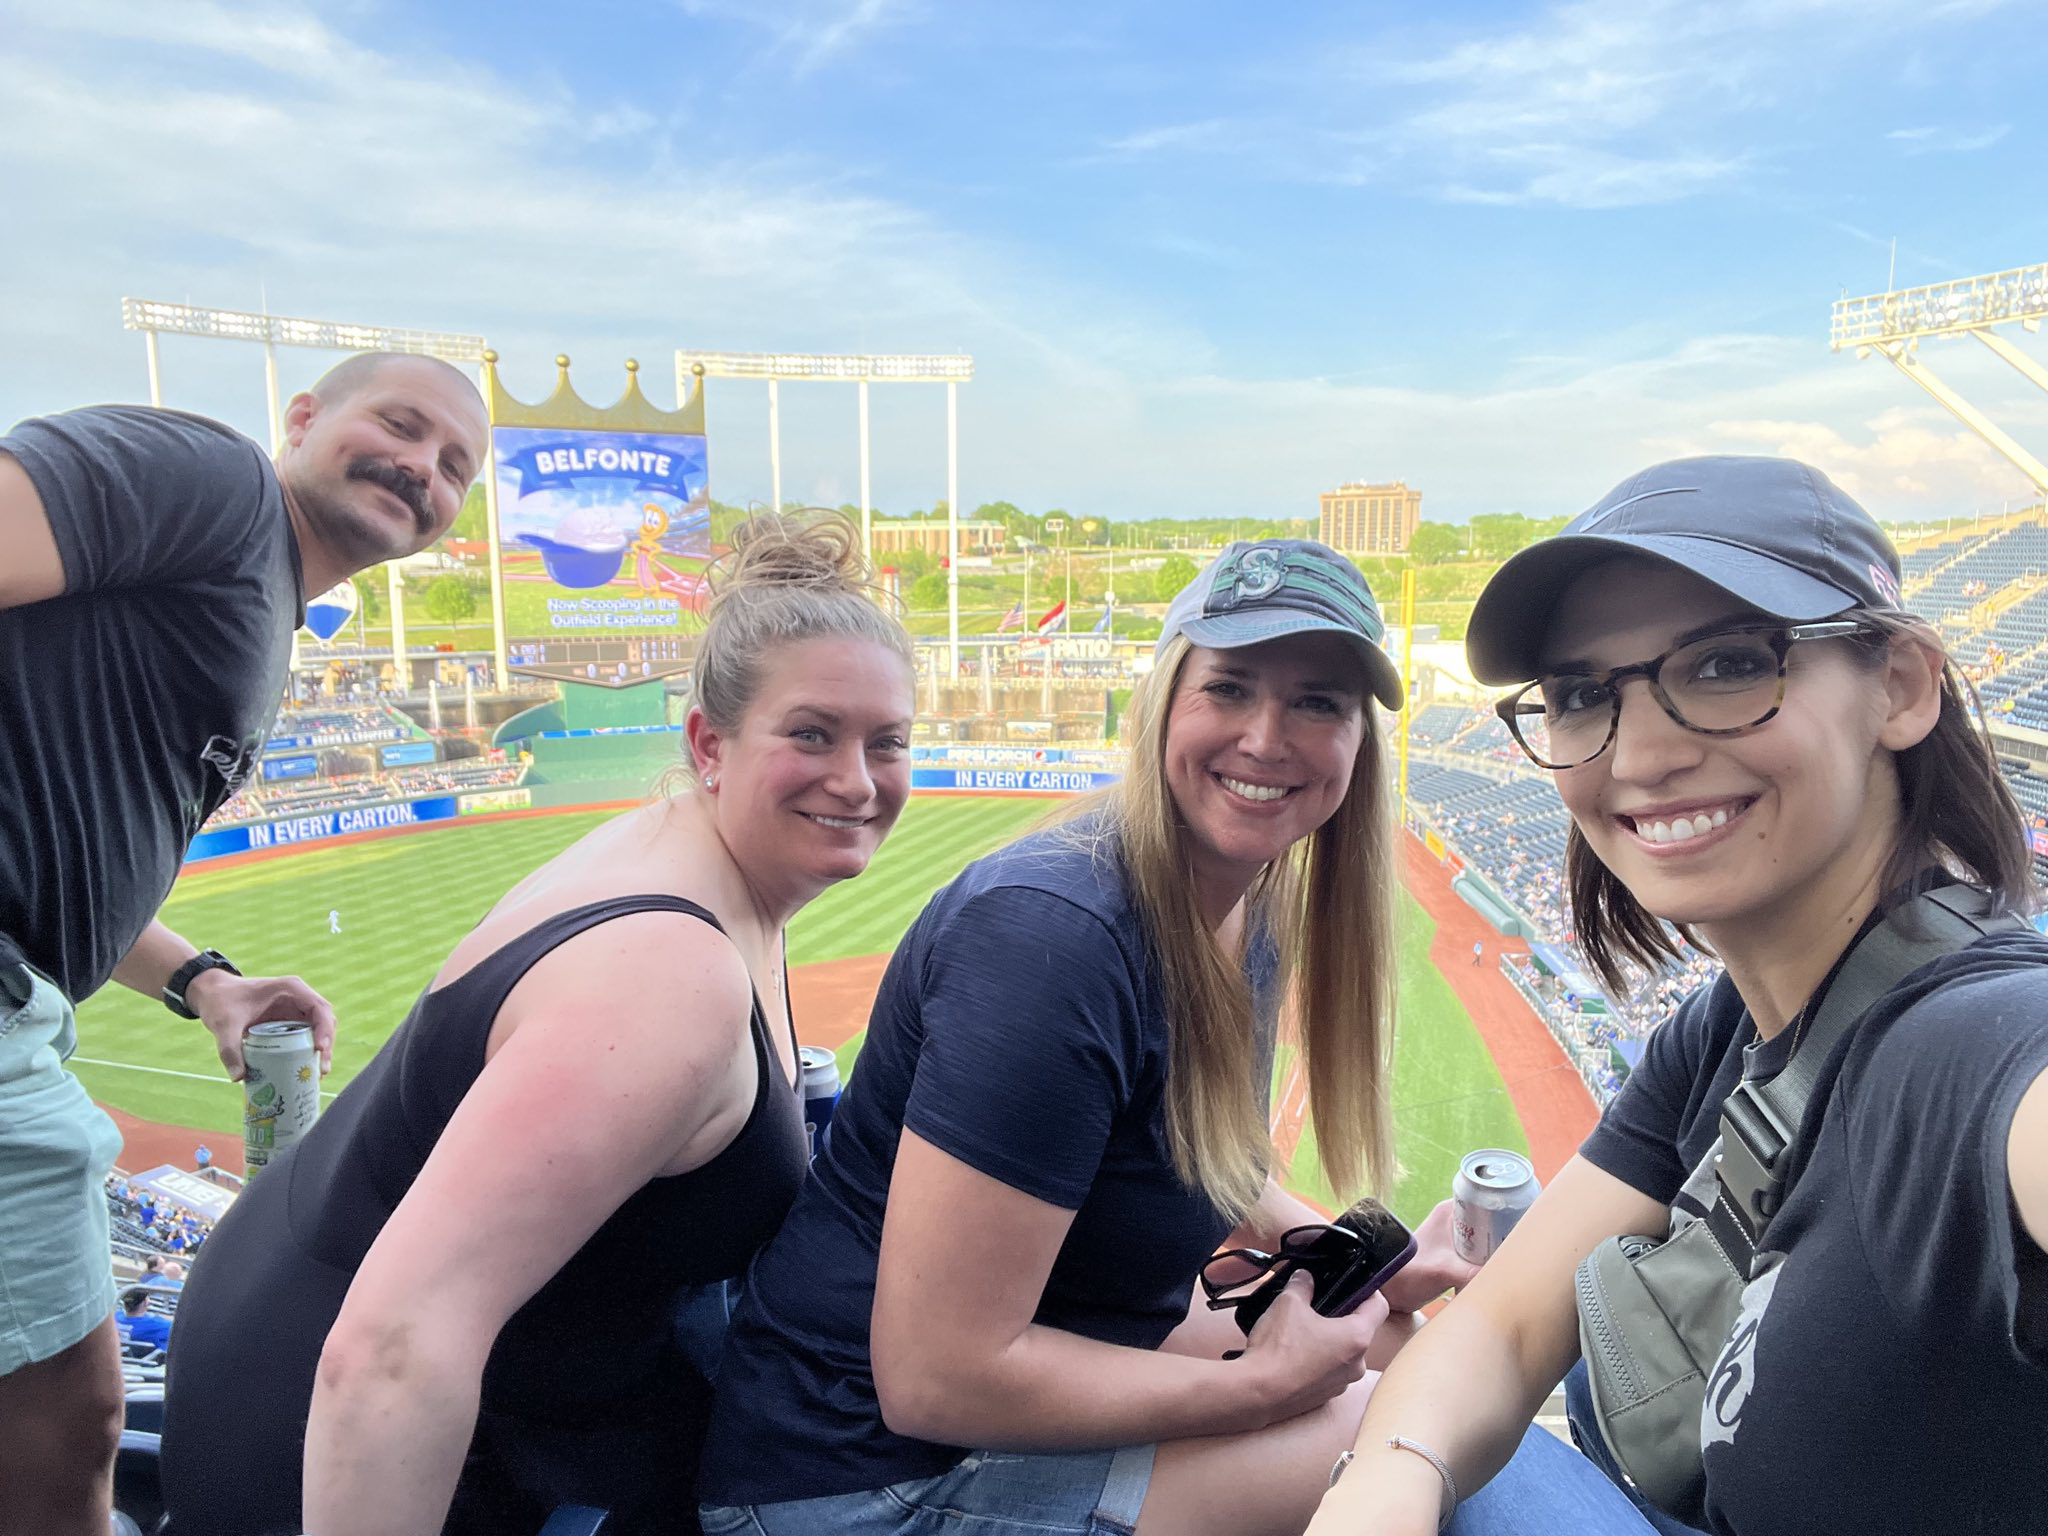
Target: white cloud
[
  {"x": 806, "y": 35},
  {"x": 1592, "y": 104},
  {"x": 201, "y": 152},
  {"x": 1901, "y": 458},
  {"x": 1937, "y": 140},
  {"x": 1568, "y": 176},
  {"x": 1205, "y": 134}
]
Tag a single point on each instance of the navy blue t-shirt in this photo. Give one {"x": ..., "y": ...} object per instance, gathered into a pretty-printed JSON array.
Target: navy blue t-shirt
[
  {"x": 1021, "y": 1027},
  {"x": 135, "y": 703},
  {"x": 1891, "y": 1374}
]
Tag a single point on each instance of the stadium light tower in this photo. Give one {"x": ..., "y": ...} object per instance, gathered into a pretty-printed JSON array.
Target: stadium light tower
[
  {"x": 950, "y": 369},
  {"x": 273, "y": 331},
  {"x": 1894, "y": 324}
]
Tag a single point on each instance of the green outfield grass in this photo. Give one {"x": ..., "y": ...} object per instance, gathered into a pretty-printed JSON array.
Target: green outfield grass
[
  {"x": 405, "y": 901},
  {"x": 1448, "y": 1096}
]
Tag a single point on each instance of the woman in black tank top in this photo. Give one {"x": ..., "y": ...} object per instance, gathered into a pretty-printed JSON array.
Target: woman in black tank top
[{"x": 482, "y": 1285}]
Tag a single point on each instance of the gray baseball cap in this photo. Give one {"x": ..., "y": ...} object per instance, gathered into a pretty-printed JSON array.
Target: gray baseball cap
[
  {"x": 1261, "y": 589},
  {"x": 1773, "y": 533}
]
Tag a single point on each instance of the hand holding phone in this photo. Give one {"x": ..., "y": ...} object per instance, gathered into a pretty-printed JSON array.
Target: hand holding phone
[{"x": 1347, "y": 1260}]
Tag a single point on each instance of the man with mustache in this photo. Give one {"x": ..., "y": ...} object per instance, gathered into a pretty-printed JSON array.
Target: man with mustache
[{"x": 153, "y": 566}]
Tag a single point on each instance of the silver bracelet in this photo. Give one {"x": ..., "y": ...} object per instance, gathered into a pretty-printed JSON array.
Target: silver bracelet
[{"x": 1402, "y": 1443}]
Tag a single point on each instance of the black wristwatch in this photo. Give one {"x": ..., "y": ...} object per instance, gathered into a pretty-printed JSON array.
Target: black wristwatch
[{"x": 181, "y": 978}]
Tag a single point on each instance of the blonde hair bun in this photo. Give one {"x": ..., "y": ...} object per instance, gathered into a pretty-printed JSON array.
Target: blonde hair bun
[
  {"x": 787, "y": 577},
  {"x": 816, "y": 550}
]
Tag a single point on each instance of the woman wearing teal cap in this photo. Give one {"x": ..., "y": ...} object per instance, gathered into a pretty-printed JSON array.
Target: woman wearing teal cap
[
  {"x": 1802, "y": 1251},
  {"x": 980, "y": 1309}
]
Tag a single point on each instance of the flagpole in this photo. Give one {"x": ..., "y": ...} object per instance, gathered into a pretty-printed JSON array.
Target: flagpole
[{"x": 1045, "y": 676}]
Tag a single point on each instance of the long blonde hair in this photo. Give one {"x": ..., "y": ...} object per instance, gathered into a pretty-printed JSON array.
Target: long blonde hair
[{"x": 1328, "y": 907}]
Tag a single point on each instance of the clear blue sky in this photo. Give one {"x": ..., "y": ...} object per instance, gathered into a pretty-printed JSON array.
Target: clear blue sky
[{"x": 1208, "y": 261}]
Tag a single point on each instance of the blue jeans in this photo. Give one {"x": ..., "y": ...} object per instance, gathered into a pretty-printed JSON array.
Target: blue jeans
[
  {"x": 1074, "y": 1493},
  {"x": 1548, "y": 1488},
  {"x": 1578, "y": 1407}
]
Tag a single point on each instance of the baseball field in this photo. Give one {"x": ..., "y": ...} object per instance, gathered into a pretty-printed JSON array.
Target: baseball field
[{"x": 402, "y": 901}]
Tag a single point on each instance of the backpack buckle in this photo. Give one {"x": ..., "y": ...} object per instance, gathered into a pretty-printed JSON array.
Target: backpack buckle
[{"x": 1754, "y": 1141}]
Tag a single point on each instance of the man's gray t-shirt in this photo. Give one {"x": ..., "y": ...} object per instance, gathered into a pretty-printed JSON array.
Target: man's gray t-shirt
[{"x": 135, "y": 703}]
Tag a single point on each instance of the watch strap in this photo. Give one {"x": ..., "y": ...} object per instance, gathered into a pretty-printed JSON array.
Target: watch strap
[{"x": 183, "y": 977}]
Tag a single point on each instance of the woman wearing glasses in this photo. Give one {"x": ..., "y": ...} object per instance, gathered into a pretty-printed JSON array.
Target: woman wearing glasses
[
  {"x": 1758, "y": 746},
  {"x": 975, "y": 1317}
]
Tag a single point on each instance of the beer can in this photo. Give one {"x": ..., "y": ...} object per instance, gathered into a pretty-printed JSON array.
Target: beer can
[
  {"x": 821, "y": 1091},
  {"x": 280, "y": 1093},
  {"x": 1492, "y": 1190}
]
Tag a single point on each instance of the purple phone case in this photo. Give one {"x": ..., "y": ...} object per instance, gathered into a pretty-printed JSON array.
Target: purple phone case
[{"x": 1349, "y": 1300}]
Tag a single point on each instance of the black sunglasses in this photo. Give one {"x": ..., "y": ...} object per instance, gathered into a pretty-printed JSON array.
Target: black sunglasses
[{"x": 1342, "y": 1259}]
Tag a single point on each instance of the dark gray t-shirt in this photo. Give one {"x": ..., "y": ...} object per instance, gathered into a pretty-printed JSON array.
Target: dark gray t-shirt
[
  {"x": 134, "y": 704},
  {"x": 1892, "y": 1373}
]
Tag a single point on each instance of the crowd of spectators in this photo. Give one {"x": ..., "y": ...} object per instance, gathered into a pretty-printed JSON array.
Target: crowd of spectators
[
  {"x": 151, "y": 1226},
  {"x": 350, "y": 790},
  {"x": 341, "y": 724}
]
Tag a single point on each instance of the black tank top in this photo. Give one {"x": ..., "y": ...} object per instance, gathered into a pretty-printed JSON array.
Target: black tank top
[
  {"x": 592, "y": 1350},
  {"x": 614, "y": 1293}
]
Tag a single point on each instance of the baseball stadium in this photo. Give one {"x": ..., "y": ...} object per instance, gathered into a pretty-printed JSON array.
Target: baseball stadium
[{"x": 456, "y": 720}]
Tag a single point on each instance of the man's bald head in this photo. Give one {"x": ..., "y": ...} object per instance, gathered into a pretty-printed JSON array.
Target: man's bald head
[{"x": 353, "y": 374}]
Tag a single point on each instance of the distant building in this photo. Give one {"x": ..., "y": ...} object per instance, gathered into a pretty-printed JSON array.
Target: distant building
[
  {"x": 1371, "y": 519},
  {"x": 895, "y": 535}
]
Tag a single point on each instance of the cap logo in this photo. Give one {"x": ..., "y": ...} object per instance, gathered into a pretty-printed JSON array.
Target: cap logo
[
  {"x": 1259, "y": 574},
  {"x": 1885, "y": 583}
]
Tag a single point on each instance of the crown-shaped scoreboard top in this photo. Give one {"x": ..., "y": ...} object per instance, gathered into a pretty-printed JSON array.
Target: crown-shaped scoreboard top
[{"x": 631, "y": 412}]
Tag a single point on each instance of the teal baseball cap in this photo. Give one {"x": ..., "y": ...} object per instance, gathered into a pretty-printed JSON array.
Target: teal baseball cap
[{"x": 1261, "y": 589}]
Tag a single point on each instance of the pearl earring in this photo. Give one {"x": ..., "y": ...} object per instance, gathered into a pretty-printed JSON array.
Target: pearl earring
[{"x": 711, "y": 781}]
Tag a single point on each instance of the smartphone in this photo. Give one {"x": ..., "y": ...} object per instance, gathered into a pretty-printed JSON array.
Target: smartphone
[{"x": 1388, "y": 1246}]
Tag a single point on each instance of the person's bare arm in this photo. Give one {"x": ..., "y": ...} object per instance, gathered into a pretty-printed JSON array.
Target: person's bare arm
[
  {"x": 596, "y": 1091},
  {"x": 1276, "y": 1212},
  {"x": 958, "y": 1359},
  {"x": 30, "y": 568},
  {"x": 1468, "y": 1385},
  {"x": 227, "y": 1004}
]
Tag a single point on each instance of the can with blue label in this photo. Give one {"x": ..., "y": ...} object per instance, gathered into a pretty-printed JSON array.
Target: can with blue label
[{"x": 820, "y": 1069}]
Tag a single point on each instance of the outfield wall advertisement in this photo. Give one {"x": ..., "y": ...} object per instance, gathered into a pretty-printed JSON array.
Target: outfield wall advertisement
[
  {"x": 1014, "y": 781},
  {"x": 604, "y": 533},
  {"x": 317, "y": 827}
]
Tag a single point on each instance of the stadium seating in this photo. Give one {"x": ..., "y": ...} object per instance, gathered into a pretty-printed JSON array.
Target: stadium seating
[
  {"x": 138, "y": 1480},
  {"x": 1982, "y": 569},
  {"x": 1437, "y": 724},
  {"x": 315, "y": 795}
]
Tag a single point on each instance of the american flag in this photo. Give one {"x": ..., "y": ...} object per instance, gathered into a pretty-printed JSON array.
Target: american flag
[{"x": 1014, "y": 619}]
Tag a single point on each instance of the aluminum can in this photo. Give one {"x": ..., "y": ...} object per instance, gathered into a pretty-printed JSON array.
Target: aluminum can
[
  {"x": 1492, "y": 1190},
  {"x": 820, "y": 1069},
  {"x": 280, "y": 1091}
]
